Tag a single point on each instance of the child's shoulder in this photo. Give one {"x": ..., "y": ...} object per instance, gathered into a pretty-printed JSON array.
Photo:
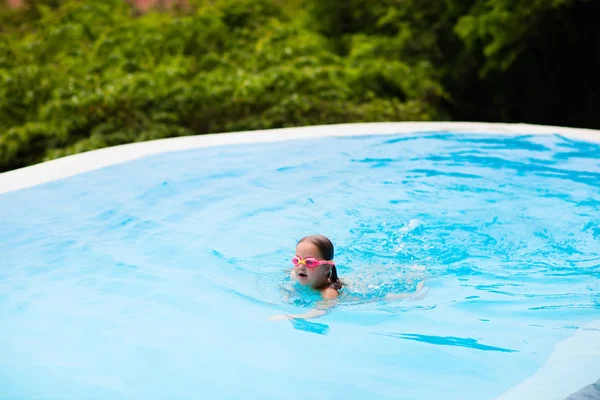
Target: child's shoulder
[{"x": 330, "y": 293}]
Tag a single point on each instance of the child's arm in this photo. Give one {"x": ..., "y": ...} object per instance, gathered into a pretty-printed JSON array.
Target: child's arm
[
  {"x": 314, "y": 313},
  {"x": 321, "y": 309},
  {"x": 402, "y": 296}
]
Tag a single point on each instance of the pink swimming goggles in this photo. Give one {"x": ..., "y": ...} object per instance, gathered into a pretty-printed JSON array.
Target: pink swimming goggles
[{"x": 310, "y": 262}]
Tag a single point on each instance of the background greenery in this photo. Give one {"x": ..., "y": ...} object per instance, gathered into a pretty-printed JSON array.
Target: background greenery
[{"x": 80, "y": 75}]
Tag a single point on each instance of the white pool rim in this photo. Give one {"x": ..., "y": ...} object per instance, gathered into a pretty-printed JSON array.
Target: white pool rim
[
  {"x": 574, "y": 363},
  {"x": 91, "y": 160}
]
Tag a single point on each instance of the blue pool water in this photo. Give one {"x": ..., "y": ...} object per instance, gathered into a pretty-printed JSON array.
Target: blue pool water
[{"x": 156, "y": 279}]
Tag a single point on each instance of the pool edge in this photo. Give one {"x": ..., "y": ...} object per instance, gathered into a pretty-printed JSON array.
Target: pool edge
[
  {"x": 88, "y": 161},
  {"x": 564, "y": 372}
]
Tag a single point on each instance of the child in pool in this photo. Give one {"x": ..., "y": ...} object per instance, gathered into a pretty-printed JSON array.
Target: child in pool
[{"x": 314, "y": 267}]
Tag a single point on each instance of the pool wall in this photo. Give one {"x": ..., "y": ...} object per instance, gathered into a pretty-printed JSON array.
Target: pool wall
[{"x": 575, "y": 362}]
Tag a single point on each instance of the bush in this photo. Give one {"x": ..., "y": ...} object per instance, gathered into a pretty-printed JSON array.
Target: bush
[{"x": 86, "y": 75}]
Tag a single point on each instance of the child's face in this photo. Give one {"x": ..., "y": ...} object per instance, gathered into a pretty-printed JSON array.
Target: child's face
[{"x": 313, "y": 277}]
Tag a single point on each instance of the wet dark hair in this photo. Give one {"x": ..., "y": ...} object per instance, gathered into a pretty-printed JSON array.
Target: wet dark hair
[{"x": 325, "y": 247}]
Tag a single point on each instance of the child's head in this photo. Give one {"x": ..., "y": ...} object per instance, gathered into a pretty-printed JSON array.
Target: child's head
[{"x": 318, "y": 248}]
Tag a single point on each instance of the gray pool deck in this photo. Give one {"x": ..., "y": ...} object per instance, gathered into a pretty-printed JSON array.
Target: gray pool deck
[{"x": 591, "y": 391}]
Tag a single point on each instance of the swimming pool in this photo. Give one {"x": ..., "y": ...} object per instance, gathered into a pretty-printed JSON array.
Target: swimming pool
[{"x": 156, "y": 277}]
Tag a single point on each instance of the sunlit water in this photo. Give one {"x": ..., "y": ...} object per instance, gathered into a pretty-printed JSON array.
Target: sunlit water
[{"x": 155, "y": 279}]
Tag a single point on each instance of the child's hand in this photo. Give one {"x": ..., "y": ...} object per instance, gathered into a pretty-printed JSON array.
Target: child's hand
[
  {"x": 280, "y": 317},
  {"x": 418, "y": 294}
]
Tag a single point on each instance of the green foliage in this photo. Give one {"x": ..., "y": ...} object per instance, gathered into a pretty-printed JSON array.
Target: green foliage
[
  {"x": 503, "y": 27},
  {"x": 90, "y": 74},
  {"x": 80, "y": 75}
]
